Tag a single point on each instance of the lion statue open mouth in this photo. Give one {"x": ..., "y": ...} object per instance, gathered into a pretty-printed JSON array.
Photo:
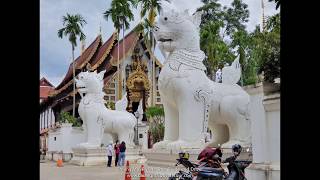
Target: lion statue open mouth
[
  {"x": 192, "y": 102},
  {"x": 96, "y": 117}
]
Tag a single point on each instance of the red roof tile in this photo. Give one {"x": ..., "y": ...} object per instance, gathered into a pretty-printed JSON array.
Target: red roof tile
[
  {"x": 44, "y": 91},
  {"x": 130, "y": 40},
  {"x": 45, "y": 82}
]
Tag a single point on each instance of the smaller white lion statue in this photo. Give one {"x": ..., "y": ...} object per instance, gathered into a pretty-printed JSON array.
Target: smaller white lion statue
[{"x": 96, "y": 117}]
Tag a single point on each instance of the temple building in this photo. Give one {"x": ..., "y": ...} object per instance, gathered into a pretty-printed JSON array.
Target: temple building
[
  {"x": 131, "y": 70},
  {"x": 47, "y": 118}
]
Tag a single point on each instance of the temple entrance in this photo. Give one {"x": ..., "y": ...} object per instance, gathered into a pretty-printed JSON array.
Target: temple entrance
[{"x": 138, "y": 87}]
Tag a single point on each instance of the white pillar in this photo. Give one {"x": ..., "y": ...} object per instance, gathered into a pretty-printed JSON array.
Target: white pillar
[
  {"x": 66, "y": 129},
  {"x": 269, "y": 169},
  {"x": 258, "y": 125},
  {"x": 143, "y": 129}
]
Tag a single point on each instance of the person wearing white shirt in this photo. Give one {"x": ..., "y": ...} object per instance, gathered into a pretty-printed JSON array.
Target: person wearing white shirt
[{"x": 109, "y": 153}]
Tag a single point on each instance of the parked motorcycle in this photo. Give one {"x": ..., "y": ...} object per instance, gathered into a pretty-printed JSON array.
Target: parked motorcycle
[{"x": 209, "y": 166}]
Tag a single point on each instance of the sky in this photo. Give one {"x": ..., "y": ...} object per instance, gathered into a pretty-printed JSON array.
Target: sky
[{"x": 56, "y": 53}]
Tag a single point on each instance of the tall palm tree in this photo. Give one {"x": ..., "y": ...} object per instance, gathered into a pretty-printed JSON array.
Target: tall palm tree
[
  {"x": 120, "y": 14},
  {"x": 72, "y": 28},
  {"x": 150, "y": 8}
]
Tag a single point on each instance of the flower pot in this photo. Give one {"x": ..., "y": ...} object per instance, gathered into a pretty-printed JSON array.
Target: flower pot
[
  {"x": 66, "y": 124},
  {"x": 270, "y": 88}
]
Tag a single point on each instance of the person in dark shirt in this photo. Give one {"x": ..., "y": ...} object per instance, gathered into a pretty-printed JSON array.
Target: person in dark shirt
[
  {"x": 117, "y": 152},
  {"x": 122, "y": 154}
]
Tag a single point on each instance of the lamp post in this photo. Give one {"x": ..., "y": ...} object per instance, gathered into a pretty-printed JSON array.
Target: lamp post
[{"x": 136, "y": 114}]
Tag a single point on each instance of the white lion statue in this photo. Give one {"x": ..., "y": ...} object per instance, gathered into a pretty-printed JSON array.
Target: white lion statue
[
  {"x": 96, "y": 117},
  {"x": 121, "y": 105},
  {"x": 192, "y": 102}
]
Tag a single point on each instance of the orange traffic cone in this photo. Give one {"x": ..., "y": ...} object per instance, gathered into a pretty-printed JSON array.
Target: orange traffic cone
[
  {"x": 59, "y": 163},
  {"x": 127, "y": 175},
  {"x": 142, "y": 176}
]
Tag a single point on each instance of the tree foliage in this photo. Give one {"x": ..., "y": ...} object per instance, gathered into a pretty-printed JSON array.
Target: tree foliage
[
  {"x": 72, "y": 28},
  {"x": 223, "y": 37},
  {"x": 156, "y": 116},
  {"x": 65, "y": 117},
  {"x": 120, "y": 13}
]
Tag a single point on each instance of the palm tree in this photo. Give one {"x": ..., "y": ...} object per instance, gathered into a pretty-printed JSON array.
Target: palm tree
[
  {"x": 152, "y": 7},
  {"x": 72, "y": 28},
  {"x": 120, "y": 14}
]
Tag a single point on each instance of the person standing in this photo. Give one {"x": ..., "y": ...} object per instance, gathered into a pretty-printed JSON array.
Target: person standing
[
  {"x": 109, "y": 153},
  {"x": 122, "y": 154},
  {"x": 117, "y": 152},
  {"x": 219, "y": 76}
]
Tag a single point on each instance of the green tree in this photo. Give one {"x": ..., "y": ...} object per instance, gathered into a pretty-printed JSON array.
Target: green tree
[
  {"x": 155, "y": 115},
  {"x": 121, "y": 14},
  {"x": 149, "y": 8},
  {"x": 72, "y": 28},
  {"x": 236, "y": 16},
  {"x": 211, "y": 12},
  {"x": 217, "y": 51},
  {"x": 270, "y": 57}
]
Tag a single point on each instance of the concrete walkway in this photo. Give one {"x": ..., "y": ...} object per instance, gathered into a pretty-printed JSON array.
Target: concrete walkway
[{"x": 49, "y": 171}]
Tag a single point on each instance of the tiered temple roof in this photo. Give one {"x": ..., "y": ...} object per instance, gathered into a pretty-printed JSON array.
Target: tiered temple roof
[
  {"x": 45, "y": 88},
  {"x": 100, "y": 56}
]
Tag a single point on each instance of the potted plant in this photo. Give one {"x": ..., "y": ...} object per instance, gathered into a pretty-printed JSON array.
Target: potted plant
[{"x": 68, "y": 120}]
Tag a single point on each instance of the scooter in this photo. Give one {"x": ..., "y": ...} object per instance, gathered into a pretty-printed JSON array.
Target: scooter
[{"x": 210, "y": 170}]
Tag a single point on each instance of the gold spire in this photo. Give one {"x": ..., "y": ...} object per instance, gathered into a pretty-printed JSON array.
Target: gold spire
[
  {"x": 263, "y": 24},
  {"x": 83, "y": 45}
]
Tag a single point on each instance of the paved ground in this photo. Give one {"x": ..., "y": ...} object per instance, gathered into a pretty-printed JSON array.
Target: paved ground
[{"x": 49, "y": 171}]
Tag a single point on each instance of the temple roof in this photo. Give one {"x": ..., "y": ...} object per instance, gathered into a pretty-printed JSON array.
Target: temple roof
[
  {"x": 45, "y": 82},
  {"x": 81, "y": 61},
  {"x": 129, "y": 42},
  {"x": 96, "y": 55},
  {"x": 45, "y": 88},
  {"x": 103, "y": 51}
]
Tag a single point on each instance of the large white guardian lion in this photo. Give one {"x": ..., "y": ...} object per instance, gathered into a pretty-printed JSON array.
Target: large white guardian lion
[{"x": 192, "y": 102}]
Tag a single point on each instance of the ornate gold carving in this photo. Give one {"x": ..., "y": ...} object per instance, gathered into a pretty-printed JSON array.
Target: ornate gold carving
[
  {"x": 138, "y": 84},
  {"x": 138, "y": 77}
]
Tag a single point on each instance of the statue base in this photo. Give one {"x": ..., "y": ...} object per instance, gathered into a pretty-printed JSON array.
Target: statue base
[
  {"x": 135, "y": 156},
  {"x": 263, "y": 171},
  {"x": 89, "y": 156},
  {"x": 167, "y": 158}
]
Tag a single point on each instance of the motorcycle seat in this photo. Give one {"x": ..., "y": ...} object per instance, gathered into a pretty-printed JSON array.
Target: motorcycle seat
[
  {"x": 210, "y": 175},
  {"x": 210, "y": 169}
]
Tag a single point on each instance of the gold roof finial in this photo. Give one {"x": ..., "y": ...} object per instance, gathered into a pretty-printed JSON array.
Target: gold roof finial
[
  {"x": 263, "y": 24},
  {"x": 83, "y": 45}
]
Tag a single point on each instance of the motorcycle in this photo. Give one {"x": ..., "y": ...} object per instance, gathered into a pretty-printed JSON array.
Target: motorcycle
[{"x": 210, "y": 169}]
